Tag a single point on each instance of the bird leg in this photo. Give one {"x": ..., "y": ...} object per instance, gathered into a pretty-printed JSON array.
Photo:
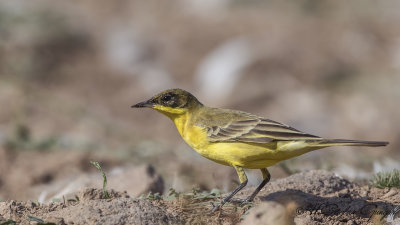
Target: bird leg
[
  {"x": 243, "y": 183},
  {"x": 267, "y": 177}
]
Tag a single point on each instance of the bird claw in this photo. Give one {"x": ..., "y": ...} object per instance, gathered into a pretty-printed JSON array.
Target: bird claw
[
  {"x": 241, "y": 201},
  {"x": 215, "y": 207}
]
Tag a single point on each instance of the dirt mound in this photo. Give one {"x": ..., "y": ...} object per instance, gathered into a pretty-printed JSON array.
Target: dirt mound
[
  {"x": 315, "y": 197},
  {"x": 320, "y": 197},
  {"x": 91, "y": 208}
]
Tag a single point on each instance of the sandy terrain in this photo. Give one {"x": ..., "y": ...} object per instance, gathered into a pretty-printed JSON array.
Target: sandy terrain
[{"x": 314, "y": 197}]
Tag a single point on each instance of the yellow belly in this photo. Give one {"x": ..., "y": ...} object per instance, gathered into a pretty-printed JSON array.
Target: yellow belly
[
  {"x": 246, "y": 155},
  {"x": 252, "y": 156},
  {"x": 240, "y": 154}
]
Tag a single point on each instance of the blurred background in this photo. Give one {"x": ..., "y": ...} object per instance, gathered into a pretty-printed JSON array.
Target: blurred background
[{"x": 70, "y": 70}]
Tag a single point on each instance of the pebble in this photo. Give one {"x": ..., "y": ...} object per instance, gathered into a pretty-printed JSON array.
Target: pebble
[
  {"x": 351, "y": 222},
  {"x": 391, "y": 193}
]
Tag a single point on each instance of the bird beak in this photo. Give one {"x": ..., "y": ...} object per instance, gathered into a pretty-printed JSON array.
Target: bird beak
[{"x": 144, "y": 104}]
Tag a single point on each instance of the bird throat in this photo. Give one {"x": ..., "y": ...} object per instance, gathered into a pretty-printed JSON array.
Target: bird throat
[{"x": 180, "y": 120}]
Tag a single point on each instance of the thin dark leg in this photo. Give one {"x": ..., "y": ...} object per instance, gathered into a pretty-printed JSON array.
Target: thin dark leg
[
  {"x": 226, "y": 199},
  {"x": 267, "y": 177},
  {"x": 243, "y": 183}
]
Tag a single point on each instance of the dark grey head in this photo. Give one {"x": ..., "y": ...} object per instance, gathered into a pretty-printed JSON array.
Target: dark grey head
[{"x": 170, "y": 99}]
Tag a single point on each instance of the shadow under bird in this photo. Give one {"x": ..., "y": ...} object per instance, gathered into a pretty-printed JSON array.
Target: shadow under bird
[{"x": 238, "y": 139}]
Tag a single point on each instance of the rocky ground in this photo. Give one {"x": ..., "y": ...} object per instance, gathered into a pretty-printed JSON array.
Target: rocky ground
[{"x": 314, "y": 197}]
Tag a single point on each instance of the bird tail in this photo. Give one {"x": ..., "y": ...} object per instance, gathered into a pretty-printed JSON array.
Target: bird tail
[{"x": 345, "y": 142}]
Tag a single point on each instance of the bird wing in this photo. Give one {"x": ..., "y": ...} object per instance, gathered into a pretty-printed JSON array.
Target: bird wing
[{"x": 245, "y": 127}]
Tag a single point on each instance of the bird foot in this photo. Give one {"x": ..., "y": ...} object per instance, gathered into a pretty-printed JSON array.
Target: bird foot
[
  {"x": 241, "y": 201},
  {"x": 216, "y": 207}
]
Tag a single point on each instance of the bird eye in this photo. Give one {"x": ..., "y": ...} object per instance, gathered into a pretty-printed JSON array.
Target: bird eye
[{"x": 166, "y": 98}]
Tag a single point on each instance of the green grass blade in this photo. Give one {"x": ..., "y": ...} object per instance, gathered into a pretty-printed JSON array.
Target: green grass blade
[{"x": 106, "y": 195}]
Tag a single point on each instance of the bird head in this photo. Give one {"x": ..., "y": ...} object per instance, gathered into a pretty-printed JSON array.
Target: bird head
[{"x": 171, "y": 102}]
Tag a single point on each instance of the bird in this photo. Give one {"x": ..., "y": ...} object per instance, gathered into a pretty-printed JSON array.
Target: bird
[{"x": 236, "y": 138}]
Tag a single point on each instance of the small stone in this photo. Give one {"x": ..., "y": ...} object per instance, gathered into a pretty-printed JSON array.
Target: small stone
[
  {"x": 364, "y": 193},
  {"x": 391, "y": 193},
  {"x": 343, "y": 193},
  {"x": 56, "y": 220},
  {"x": 268, "y": 213},
  {"x": 302, "y": 220},
  {"x": 351, "y": 222}
]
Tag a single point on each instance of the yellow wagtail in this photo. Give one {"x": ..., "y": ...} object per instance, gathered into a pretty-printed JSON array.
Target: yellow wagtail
[{"x": 238, "y": 139}]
